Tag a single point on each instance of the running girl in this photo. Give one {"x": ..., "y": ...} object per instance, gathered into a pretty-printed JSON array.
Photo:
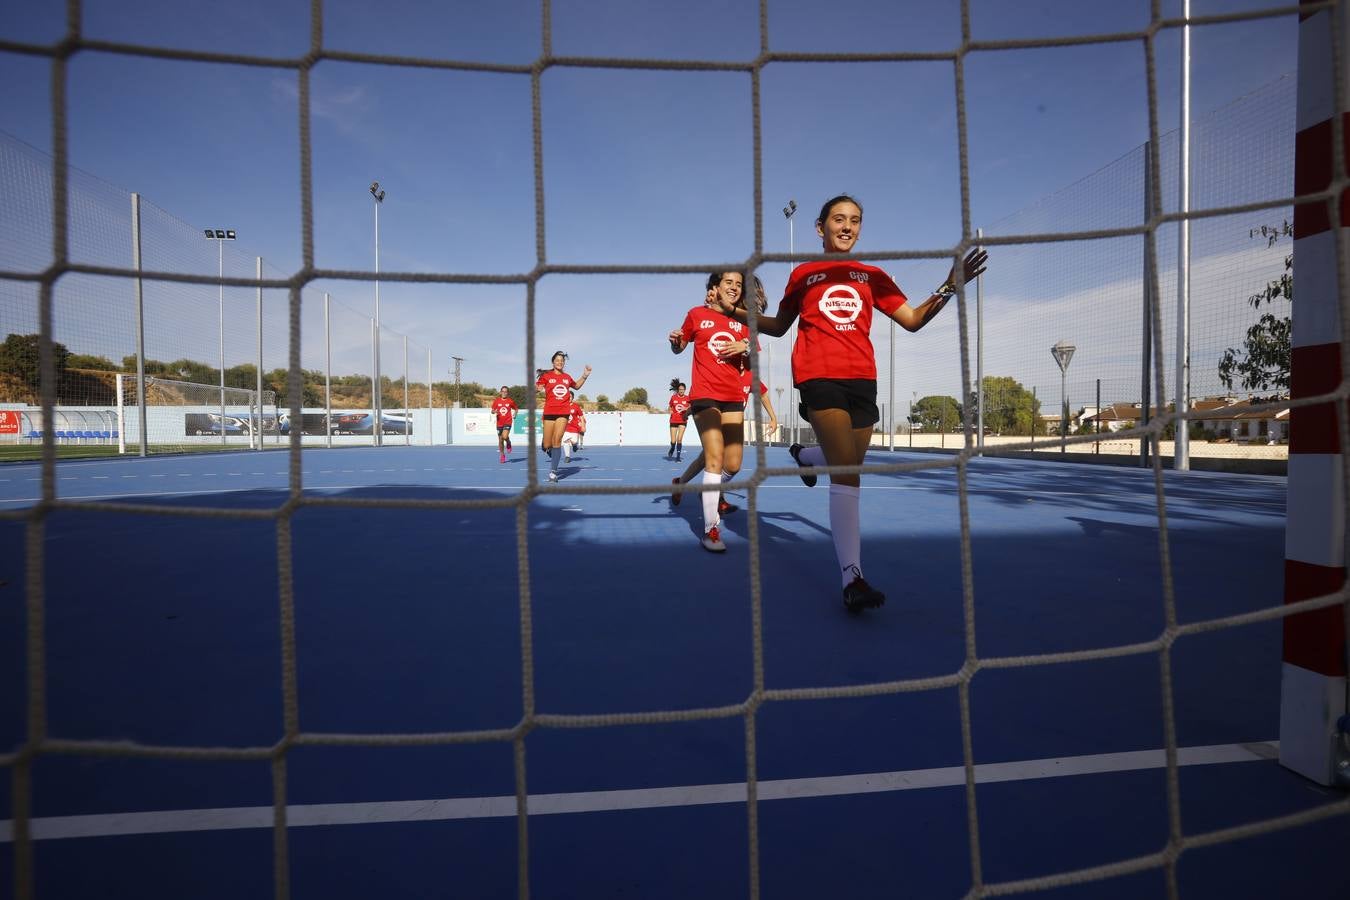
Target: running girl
[
  {"x": 834, "y": 366},
  {"x": 556, "y": 386},
  {"x": 679, "y": 412},
  {"x": 504, "y": 408},
  {"x": 718, "y": 404},
  {"x": 576, "y": 426}
]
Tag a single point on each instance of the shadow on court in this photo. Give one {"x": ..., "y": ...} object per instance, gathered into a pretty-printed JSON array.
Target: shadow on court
[{"x": 165, "y": 630}]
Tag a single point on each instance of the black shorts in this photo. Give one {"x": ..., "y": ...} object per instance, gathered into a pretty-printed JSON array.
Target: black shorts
[
  {"x": 857, "y": 396},
  {"x": 679, "y": 424},
  {"x": 555, "y": 417},
  {"x": 726, "y": 406},
  {"x": 504, "y": 429}
]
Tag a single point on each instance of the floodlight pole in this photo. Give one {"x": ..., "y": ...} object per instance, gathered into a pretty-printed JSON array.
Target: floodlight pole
[
  {"x": 377, "y": 406},
  {"x": 1063, "y": 352},
  {"x": 1181, "y": 452},
  {"x": 220, "y": 236},
  {"x": 258, "y": 424},
  {"x": 140, "y": 326},
  {"x": 979, "y": 357}
]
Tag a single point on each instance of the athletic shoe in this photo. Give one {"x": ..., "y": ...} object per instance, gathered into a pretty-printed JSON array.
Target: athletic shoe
[
  {"x": 675, "y": 496},
  {"x": 678, "y": 458},
  {"x": 508, "y": 446},
  {"x": 796, "y": 451},
  {"x": 712, "y": 540},
  {"x": 503, "y": 457},
  {"x": 860, "y": 595},
  {"x": 723, "y": 507},
  {"x": 552, "y": 476}
]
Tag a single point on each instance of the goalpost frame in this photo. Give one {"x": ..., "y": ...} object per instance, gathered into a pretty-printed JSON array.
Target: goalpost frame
[{"x": 1313, "y": 701}]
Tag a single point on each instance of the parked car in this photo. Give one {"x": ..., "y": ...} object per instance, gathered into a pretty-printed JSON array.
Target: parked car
[
  {"x": 212, "y": 423},
  {"x": 360, "y": 423}
]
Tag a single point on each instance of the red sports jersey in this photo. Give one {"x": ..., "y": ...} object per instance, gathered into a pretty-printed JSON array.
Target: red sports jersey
[
  {"x": 679, "y": 408},
  {"x": 575, "y": 417},
  {"x": 557, "y": 392},
  {"x": 504, "y": 408},
  {"x": 707, "y": 330},
  {"x": 834, "y": 334}
]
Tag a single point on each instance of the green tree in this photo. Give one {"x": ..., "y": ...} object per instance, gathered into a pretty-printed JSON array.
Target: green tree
[
  {"x": 635, "y": 395},
  {"x": 88, "y": 361},
  {"x": 938, "y": 413},
  {"x": 19, "y": 358},
  {"x": 1263, "y": 360},
  {"x": 1009, "y": 408},
  {"x": 602, "y": 403}
]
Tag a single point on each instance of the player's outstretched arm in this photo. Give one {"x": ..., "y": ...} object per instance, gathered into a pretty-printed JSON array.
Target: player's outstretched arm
[
  {"x": 585, "y": 373},
  {"x": 912, "y": 318},
  {"x": 774, "y": 326}
]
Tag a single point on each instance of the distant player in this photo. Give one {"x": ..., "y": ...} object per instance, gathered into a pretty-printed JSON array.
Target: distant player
[
  {"x": 576, "y": 425},
  {"x": 679, "y": 417},
  {"x": 556, "y": 386},
  {"x": 504, "y": 408}
]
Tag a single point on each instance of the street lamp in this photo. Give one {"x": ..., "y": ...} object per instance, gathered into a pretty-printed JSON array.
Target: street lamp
[
  {"x": 220, "y": 236},
  {"x": 377, "y": 407},
  {"x": 1063, "y": 352}
]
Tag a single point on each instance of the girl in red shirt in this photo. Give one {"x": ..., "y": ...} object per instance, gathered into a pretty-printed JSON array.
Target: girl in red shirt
[
  {"x": 834, "y": 367},
  {"x": 556, "y": 386},
  {"x": 718, "y": 403},
  {"x": 679, "y": 410}
]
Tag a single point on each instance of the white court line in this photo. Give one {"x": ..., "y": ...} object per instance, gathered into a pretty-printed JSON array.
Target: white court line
[{"x": 228, "y": 818}]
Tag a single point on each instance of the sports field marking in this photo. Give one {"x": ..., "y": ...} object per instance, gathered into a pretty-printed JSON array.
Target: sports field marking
[{"x": 222, "y": 819}]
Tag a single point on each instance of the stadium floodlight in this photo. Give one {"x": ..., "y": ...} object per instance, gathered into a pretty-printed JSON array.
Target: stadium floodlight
[
  {"x": 220, "y": 235},
  {"x": 377, "y": 407},
  {"x": 1063, "y": 352}
]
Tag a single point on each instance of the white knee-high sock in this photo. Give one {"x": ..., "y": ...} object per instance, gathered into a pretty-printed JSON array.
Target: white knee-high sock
[
  {"x": 812, "y": 456},
  {"x": 845, "y": 530},
  {"x": 567, "y": 452},
  {"x": 710, "y": 517}
]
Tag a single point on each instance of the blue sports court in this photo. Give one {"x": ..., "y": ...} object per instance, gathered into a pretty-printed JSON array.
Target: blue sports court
[{"x": 167, "y": 636}]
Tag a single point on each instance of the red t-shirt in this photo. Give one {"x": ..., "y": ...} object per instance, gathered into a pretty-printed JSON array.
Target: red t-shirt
[
  {"x": 834, "y": 334},
  {"x": 706, "y": 330},
  {"x": 748, "y": 377},
  {"x": 575, "y": 416},
  {"x": 679, "y": 408},
  {"x": 504, "y": 408},
  {"x": 557, "y": 392}
]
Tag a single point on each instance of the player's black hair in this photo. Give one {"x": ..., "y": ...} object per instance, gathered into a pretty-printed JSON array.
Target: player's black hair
[
  {"x": 715, "y": 278},
  {"x": 557, "y": 353},
  {"x": 830, "y": 204},
  {"x": 676, "y": 384}
]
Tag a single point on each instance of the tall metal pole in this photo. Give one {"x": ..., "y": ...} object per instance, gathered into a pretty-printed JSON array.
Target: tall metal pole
[
  {"x": 258, "y": 426},
  {"x": 1145, "y": 375},
  {"x": 429, "y": 410},
  {"x": 220, "y": 268},
  {"x": 459, "y": 397},
  {"x": 374, "y": 363},
  {"x": 377, "y": 402},
  {"x": 407, "y": 418},
  {"x": 1063, "y": 353},
  {"x": 891, "y": 443},
  {"x": 327, "y": 375},
  {"x": 1181, "y": 454},
  {"x": 140, "y": 324},
  {"x": 979, "y": 357}
]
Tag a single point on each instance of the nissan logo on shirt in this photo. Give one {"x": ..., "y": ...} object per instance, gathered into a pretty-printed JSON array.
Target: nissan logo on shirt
[{"x": 840, "y": 303}]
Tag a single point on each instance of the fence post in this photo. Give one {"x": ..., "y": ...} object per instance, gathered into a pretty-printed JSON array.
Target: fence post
[{"x": 140, "y": 322}]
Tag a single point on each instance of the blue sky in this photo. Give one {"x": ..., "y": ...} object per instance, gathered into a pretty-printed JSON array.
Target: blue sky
[{"x": 640, "y": 167}]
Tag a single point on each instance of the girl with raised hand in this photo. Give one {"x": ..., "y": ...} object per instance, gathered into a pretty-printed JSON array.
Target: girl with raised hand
[
  {"x": 834, "y": 366},
  {"x": 556, "y": 386}
]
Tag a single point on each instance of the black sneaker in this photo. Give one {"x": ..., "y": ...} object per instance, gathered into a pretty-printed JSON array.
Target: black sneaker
[
  {"x": 796, "y": 451},
  {"x": 860, "y": 595},
  {"x": 723, "y": 507}
]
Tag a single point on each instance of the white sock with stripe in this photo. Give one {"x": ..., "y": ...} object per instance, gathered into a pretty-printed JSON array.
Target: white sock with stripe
[
  {"x": 811, "y": 456},
  {"x": 710, "y": 517},
  {"x": 845, "y": 529}
]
